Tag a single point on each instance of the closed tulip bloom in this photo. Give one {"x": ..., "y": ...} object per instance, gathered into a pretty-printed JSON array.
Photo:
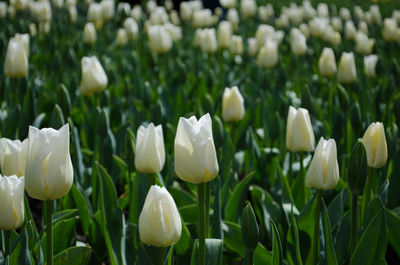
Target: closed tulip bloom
[
  {"x": 268, "y": 55},
  {"x": 12, "y": 202},
  {"x": 363, "y": 27},
  {"x": 132, "y": 28},
  {"x": 73, "y": 14},
  {"x": 198, "y": 37},
  {"x": 48, "y": 171},
  {"x": 297, "y": 42},
  {"x": 89, "y": 33},
  {"x": 318, "y": 26},
  {"x": 202, "y": 18},
  {"x": 350, "y": 30},
  {"x": 233, "y": 17},
  {"x": 159, "y": 222},
  {"x": 232, "y": 105},
  {"x": 107, "y": 9},
  {"x": 264, "y": 32},
  {"x": 149, "y": 149},
  {"x": 159, "y": 39},
  {"x": 282, "y": 21},
  {"x": 195, "y": 155},
  {"x": 122, "y": 37},
  {"x": 327, "y": 63},
  {"x": 236, "y": 46},
  {"x": 345, "y": 13},
  {"x": 94, "y": 14},
  {"x": 363, "y": 44},
  {"x": 209, "y": 41},
  {"x": 94, "y": 79},
  {"x": 337, "y": 24},
  {"x": 347, "y": 72},
  {"x": 304, "y": 29},
  {"x": 159, "y": 16},
  {"x": 175, "y": 32},
  {"x": 224, "y": 34},
  {"x": 389, "y": 29},
  {"x": 136, "y": 12},
  {"x": 248, "y": 8},
  {"x": 252, "y": 46},
  {"x": 185, "y": 10},
  {"x": 32, "y": 29},
  {"x": 299, "y": 132},
  {"x": 16, "y": 63},
  {"x": 370, "y": 65},
  {"x": 323, "y": 173},
  {"x": 13, "y": 157},
  {"x": 228, "y": 3},
  {"x": 375, "y": 144},
  {"x": 3, "y": 9}
]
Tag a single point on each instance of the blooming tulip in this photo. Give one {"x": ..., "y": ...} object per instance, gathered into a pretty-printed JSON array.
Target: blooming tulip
[
  {"x": 16, "y": 63},
  {"x": 252, "y": 46},
  {"x": 233, "y": 17},
  {"x": 350, "y": 30},
  {"x": 228, "y": 3},
  {"x": 94, "y": 15},
  {"x": 132, "y": 28},
  {"x": 159, "y": 39},
  {"x": 297, "y": 42},
  {"x": 389, "y": 29},
  {"x": 370, "y": 65},
  {"x": 12, "y": 202},
  {"x": 159, "y": 222},
  {"x": 209, "y": 41},
  {"x": 248, "y": 8},
  {"x": 149, "y": 149},
  {"x": 268, "y": 55},
  {"x": 224, "y": 34},
  {"x": 232, "y": 105},
  {"x": 327, "y": 63},
  {"x": 347, "y": 72},
  {"x": 299, "y": 132},
  {"x": 13, "y": 157},
  {"x": 48, "y": 171},
  {"x": 375, "y": 144},
  {"x": 363, "y": 44},
  {"x": 94, "y": 79},
  {"x": 89, "y": 33},
  {"x": 236, "y": 46},
  {"x": 107, "y": 9},
  {"x": 195, "y": 155},
  {"x": 122, "y": 37},
  {"x": 323, "y": 172},
  {"x": 3, "y": 9},
  {"x": 202, "y": 18}
]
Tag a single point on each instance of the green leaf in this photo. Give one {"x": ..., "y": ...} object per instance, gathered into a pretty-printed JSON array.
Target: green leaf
[
  {"x": 277, "y": 255},
  {"x": 330, "y": 254},
  {"x": 83, "y": 208},
  {"x": 185, "y": 241},
  {"x": 371, "y": 248},
  {"x": 235, "y": 202},
  {"x": 358, "y": 169},
  {"x": 63, "y": 233},
  {"x": 250, "y": 232},
  {"x": 262, "y": 256},
  {"x": 293, "y": 246},
  {"x": 214, "y": 249},
  {"x": 393, "y": 224},
  {"x": 21, "y": 254},
  {"x": 73, "y": 256}
]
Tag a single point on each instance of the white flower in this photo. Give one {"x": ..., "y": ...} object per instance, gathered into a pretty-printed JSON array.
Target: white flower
[
  {"x": 299, "y": 132},
  {"x": 94, "y": 79},
  {"x": 232, "y": 105},
  {"x": 375, "y": 144},
  {"x": 13, "y": 157},
  {"x": 370, "y": 65},
  {"x": 347, "y": 72},
  {"x": 12, "y": 202}
]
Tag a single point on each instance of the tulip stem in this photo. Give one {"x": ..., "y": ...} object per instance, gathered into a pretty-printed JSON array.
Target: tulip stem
[
  {"x": 159, "y": 256},
  {"x": 315, "y": 242},
  {"x": 367, "y": 194},
  {"x": 302, "y": 181},
  {"x": 207, "y": 208},
  {"x": 353, "y": 228},
  {"x": 7, "y": 235},
  {"x": 202, "y": 240},
  {"x": 49, "y": 231}
]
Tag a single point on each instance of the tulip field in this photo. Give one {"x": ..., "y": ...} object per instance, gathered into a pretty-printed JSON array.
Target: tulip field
[{"x": 258, "y": 132}]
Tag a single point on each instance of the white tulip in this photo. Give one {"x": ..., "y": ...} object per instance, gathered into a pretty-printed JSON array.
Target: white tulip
[
  {"x": 73, "y": 14},
  {"x": 94, "y": 14},
  {"x": 375, "y": 144},
  {"x": 337, "y": 24},
  {"x": 16, "y": 62},
  {"x": 175, "y": 32},
  {"x": 195, "y": 155},
  {"x": 228, "y": 3},
  {"x": 224, "y": 34},
  {"x": 268, "y": 55},
  {"x": 209, "y": 41},
  {"x": 12, "y": 202},
  {"x": 122, "y": 37},
  {"x": 233, "y": 17},
  {"x": 248, "y": 8},
  {"x": 345, "y": 13},
  {"x": 159, "y": 39},
  {"x": 305, "y": 30},
  {"x": 327, "y": 63},
  {"x": 149, "y": 149},
  {"x": 322, "y": 10},
  {"x": 347, "y": 72},
  {"x": 282, "y": 21},
  {"x": 363, "y": 27},
  {"x": 89, "y": 33},
  {"x": 202, "y": 18},
  {"x": 299, "y": 132},
  {"x": 318, "y": 26},
  {"x": 13, "y": 157},
  {"x": 236, "y": 46},
  {"x": 32, "y": 29},
  {"x": 158, "y": 16},
  {"x": 3, "y": 9},
  {"x": 376, "y": 14},
  {"x": 363, "y": 44},
  {"x": 136, "y": 13},
  {"x": 94, "y": 79},
  {"x": 232, "y": 105},
  {"x": 298, "y": 42},
  {"x": 389, "y": 31},
  {"x": 350, "y": 30},
  {"x": 107, "y": 9},
  {"x": 370, "y": 65},
  {"x": 185, "y": 11},
  {"x": 323, "y": 173},
  {"x": 131, "y": 28},
  {"x": 48, "y": 171},
  {"x": 159, "y": 222},
  {"x": 252, "y": 46},
  {"x": 264, "y": 32}
]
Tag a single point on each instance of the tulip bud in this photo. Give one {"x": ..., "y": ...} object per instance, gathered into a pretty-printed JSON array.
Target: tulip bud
[
  {"x": 202, "y": 18},
  {"x": 48, "y": 171},
  {"x": 209, "y": 41},
  {"x": 32, "y": 29},
  {"x": 363, "y": 27},
  {"x": 107, "y": 9},
  {"x": 228, "y": 3},
  {"x": 268, "y": 55},
  {"x": 376, "y": 14},
  {"x": 323, "y": 172},
  {"x": 185, "y": 11},
  {"x": 370, "y": 65},
  {"x": 131, "y": 28},
  {"x": 337, "y": 24},
  {"x": 158, "y": 16},
  {"x": 318, "y": 26},
  {"x": 389, "y": 29},
  {"x": 16, "y": 63},
  {"x": 122, "y": 37},
  {"x": 345, "y": 13},
  {"x": 136, "y": 12},
  {"x": 13, "y": 157},
  {"x": 224, "y": 34},
  {"x": 299, "y": 132},
  {"x": 250, "y": 232},
  {"x": 195, "y": 155},
  {"x": 350, "y": 30},
  {"x": 233, "y": 17},
  {"x": 175, "y": 32},
  {"x": 375, "y": 144},
  {"x": 304, "y": 29},
  {"x": 3, "y": 9},
  {"x": 149, "y": 149},
  {"x": 174, "y": 17},
  {"x": 248, "y": 8},
  {"x": 44, "y": 27},
  {"x": 322, "y": 10},
  {"x": 94, "y": 79},
  {"x": 252, "y": 46},
  {"x": 89, "y": 33},
  {"x": 73, "y": 14},
  {"x": 236, "y": 46},
  {"x": 94, "y": 15},
  {"x": 12, "y": 202},
  {"x": 58, "y": 3},
  {"x": 159, "y": 39},
  {"x": 358, "y": 169},
  {"x": 363, "y": 44},
  {"x": 347, "y": 72},
  {"x": 282, "y": 21},
  {"x": 232, "y": 105},
  {"x": 327, "y": 63},
  {"x": 297, "y": 42},
  {"x": 159, "y": 222}
]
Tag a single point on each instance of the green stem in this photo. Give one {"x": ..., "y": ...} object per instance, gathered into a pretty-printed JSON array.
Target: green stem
[
  {"x": 248, "y": 257},
  {"x": 290, "y": 178},
  {"x": 302, "y": 181},
  {"x": 7, "y": 235},
  {"x": 207, "y": 208},
  {"x": 150, "y": 181},
  {"x": 353, "y": 228},
  {"x": 316, "y": 228},
  {"x": 202, "y": 239},
  {"x": 49, "y": 231},
  {"x": 367, "y": 194},
  {"x": 159, "y": 255}
]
